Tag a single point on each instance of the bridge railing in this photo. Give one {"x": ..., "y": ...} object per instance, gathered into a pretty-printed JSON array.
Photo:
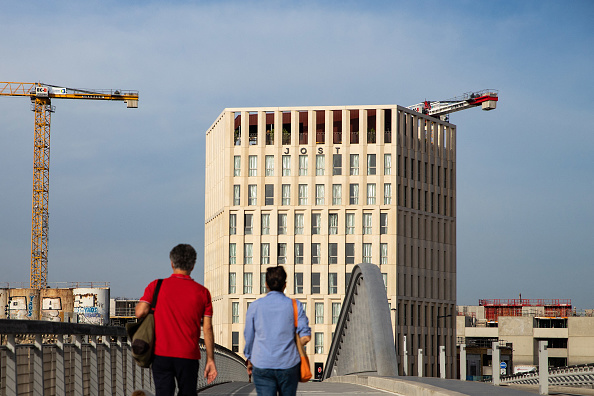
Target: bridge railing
[
  {"x": 55, "y": 358},
  {"x": 579, "y": 375}
]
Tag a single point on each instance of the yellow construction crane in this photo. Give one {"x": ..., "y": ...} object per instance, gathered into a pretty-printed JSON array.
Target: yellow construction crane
[{"x": 41, "y": 96}]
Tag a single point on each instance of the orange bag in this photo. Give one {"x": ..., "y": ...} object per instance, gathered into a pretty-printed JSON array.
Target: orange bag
[{"x": 305, "y": 370}]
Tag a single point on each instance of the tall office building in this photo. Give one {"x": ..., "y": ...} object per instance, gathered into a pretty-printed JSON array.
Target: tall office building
[{"x": 320, "y": 189}]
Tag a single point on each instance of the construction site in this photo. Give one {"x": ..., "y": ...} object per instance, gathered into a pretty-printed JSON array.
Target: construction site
[
  {"x": 518, "y": 325},
  {"x": 76, "y": 302}
]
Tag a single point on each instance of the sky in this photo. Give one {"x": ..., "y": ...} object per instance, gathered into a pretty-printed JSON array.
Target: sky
[{"x": 127, "y": 185}]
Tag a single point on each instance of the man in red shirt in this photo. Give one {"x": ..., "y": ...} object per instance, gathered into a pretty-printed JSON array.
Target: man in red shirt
[{"x": 181, "y": 305}]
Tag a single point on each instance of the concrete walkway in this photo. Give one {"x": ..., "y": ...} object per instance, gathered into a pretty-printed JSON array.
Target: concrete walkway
[
  {"x": 305, "y": 389},
  {"x": 352, "y": 385}
]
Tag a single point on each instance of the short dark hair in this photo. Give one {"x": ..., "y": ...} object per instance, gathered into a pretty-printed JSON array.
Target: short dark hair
[
  {"x": 183, "y": 257},
  {"x": 276, "y": 277}
]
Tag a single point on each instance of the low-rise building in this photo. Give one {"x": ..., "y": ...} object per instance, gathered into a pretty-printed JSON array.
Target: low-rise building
[{"x": 522, "y": 323}]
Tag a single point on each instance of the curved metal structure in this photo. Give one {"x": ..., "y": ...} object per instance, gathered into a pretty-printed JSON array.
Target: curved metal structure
[{"x": 363, "y": 342}]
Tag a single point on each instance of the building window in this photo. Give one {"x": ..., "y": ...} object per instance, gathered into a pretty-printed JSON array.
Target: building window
[
  {"x": 269, "y": 164},
  {"x": 303, "y": 165},
  {"x": 387, "y": 164},
  {"x": 350, "y": 223},
  {"x": 353, "y": 194},
  {"x": 371, "y": 164},
  {"x": 333, "y": 223},
  {"x": 232, "y": 224},
  {"x": 286, "y": 165},
  {"x": 319, "y": 314},
  {"x": 252, "y": 195},
  {"x": 298, "y": 283},
  {"x": 247, "y": 283},
  {"x": 333, "y": 283},
  {"x": 319, "y": 194},
  {"x": 315, "y": 283},
  {"x": 265, "y": 223},
  {"x": 282, "y": 253},
  {"x": 337, "y": 164},
  {"x": 367, "y": 253},
  {"x": 269, "y": 194},
  {"x": 332, "y": 253},
  {"x": 383, "y": 223},
  {"x": 302, "y": 194},
  {"x": 298, "y": 253},
  {"x": 236, "y": 194},
  {"x": 319, "y": 343},
  {"x": 370, "y": 193},
  {"x": 337, "y": 194},
  {"x": 253, "y": 165},
  {"x": 234, "y": 312},
  {"x": 387, "y": 194},
  {"x": 264, "y": 253},
  {"x": 232, "y": 282},
  {"x": 367, "y": 223},
  {"x": 232, "y": 253},
  {"x": 263, "y": 283},
  {"x": 354, "y": 164},
  {"x": 320, "y": 164},
  {"x": 248, "y": 223},
  {"x": 347, "y": 280},
  {"x": 316, "y": 222},
  {"x": 286, "y": 192},
  {"x": 335, "y": 312},
  {"x": 349, "y": 252},
  {"x": 299, "y": 220},
  {"x": 383, "y": 253},
  {"x": 235, "y": 341},
  {"x": 315, "y": 253},
  {"x": 237, "y": 165},
  {"x": 385, "y": 278},
  {"x": 248, "y": 253},
  {"x": 282, "y": 224}
]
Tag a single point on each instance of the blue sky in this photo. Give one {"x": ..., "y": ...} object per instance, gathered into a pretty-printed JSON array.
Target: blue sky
[{"x": 127, "y": 185}]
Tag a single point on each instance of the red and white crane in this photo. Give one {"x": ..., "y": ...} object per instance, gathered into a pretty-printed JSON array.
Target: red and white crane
[{"x": 486, "y": 98}]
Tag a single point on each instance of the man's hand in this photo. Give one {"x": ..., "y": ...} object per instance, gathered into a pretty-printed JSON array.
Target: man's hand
[
  {"x": 210, "y": 371},
  {"x": 250, "y": 367}
]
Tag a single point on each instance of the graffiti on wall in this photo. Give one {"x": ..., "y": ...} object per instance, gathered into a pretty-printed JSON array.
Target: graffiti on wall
[
  {"x": 50, "y": 309},
  {"x": 19, "y": 309}
]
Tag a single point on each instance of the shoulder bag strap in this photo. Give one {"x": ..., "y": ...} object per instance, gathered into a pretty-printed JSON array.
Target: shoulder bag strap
[
  {"x": 297, "y": 341},
  {"x": 156, "y": 295}
]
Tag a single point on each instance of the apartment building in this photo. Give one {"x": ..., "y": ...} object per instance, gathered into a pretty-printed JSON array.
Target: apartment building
[{"x": 319, "y": 190}]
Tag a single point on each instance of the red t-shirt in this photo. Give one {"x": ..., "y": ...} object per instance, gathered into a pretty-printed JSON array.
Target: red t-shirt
[{"x": 181, "y": 304}]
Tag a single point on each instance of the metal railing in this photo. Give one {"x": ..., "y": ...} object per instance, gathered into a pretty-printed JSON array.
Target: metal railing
[
  {"x": 55, "y": 358},
  {"x": 579, "y": 375}
]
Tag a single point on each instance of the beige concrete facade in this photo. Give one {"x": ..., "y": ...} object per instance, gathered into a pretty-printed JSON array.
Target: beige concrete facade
[
  {"x": 320, "y": 189},
  {"x": 570, "y": 339}
]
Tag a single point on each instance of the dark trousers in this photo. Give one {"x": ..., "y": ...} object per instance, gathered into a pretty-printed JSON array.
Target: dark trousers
[
  {"x": 270, "y": 381},
  {"x": 168, "y": 370}
]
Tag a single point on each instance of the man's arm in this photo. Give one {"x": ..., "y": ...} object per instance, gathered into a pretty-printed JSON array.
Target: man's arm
[
  {"x": 142, "y": 309},
  {"x": 210, "y": 370}
]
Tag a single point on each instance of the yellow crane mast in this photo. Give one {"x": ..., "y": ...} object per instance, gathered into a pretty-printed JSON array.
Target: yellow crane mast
[{"x": 41, "y": 96}]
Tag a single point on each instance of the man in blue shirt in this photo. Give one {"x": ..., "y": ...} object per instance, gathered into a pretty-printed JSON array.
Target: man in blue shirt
[{"x": 269, "y": 333}]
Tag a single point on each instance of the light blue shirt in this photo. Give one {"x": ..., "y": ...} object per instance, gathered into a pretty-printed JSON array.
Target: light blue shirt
[{"x": 270, "y": 331}]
